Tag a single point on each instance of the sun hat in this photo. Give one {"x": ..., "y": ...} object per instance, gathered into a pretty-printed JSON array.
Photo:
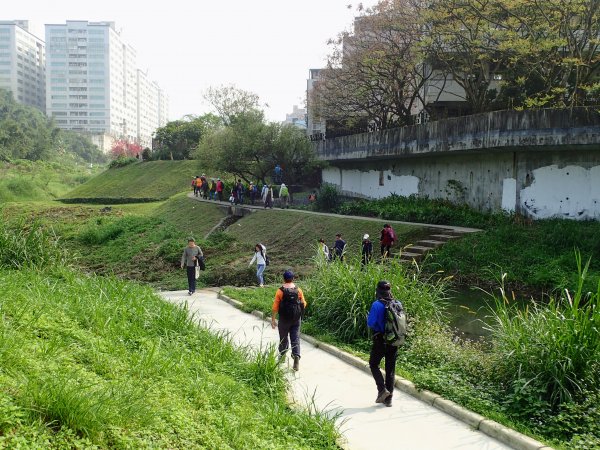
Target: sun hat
[{"x": 366, "y": 236}]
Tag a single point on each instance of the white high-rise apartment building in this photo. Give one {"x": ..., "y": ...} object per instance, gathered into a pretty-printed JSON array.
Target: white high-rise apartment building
[
  {"x": 93, "y": 84},
  {"x": 22, "y": 64}
]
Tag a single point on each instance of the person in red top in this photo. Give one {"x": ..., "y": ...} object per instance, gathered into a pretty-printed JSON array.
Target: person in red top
[
  {"x": 220, "y": 187},
  {"x": 387, "y": 240},
  {"x": 289, "y": 304}
]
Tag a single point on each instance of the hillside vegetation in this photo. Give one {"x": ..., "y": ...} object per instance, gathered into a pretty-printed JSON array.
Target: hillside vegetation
[
  {"x": 23, "y": 180},
  {"x": 144, "y": 181},
  {"x": 26, "y": 133},
  {"x": 144, "y": 241},
  {"x": 96, "y": 362}
]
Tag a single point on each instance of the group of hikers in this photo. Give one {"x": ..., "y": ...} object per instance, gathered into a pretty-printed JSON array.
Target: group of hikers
[
  {"x": 240, "y": 193},
  {"x": 387, "y": 239},
  {"x": 386, "y": 318}
]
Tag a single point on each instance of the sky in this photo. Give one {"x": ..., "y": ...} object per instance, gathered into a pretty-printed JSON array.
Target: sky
[{"x": 263, "y": 46}]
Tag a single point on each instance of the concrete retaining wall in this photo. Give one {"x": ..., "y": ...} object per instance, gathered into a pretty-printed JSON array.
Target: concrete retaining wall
[{"x": 539, "y": 163}]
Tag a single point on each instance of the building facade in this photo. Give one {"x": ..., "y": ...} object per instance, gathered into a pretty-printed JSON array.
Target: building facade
[
  {"x": 315, "y": 124},
  {"x": 22, "y": 64},
  {"x": 296, "y": 118},
  {"x": 92, "y": 84}
]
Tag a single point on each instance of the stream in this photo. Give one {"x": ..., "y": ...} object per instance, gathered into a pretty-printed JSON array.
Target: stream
[{"x": 469, "y": 309}]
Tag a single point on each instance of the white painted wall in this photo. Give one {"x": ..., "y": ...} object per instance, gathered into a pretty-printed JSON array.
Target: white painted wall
[
  {"x": 569, "y": 192},
  {"x": 366, "y": 183},
  {"x": 509, "y": 195}
]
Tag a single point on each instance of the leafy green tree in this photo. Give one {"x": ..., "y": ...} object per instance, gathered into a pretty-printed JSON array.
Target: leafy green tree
[
  {"x": 554, "y": 53},
  {"x": 25, "y": 132},
  {"x": 178, "y": 138},
  {"x": 230, "y": 101},
  {"x": 250, "y": 148}
]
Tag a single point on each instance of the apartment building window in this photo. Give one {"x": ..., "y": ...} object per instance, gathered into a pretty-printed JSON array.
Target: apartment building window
[
  {"x": 58, "y": 113},
  {"x": 59, "y": 105},
  {"x": 58, "y": 97},
  {"x": 97, "y": 114}
]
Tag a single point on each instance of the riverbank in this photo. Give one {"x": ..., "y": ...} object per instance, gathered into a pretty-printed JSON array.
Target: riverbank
[{"x": 537, "y": 257}]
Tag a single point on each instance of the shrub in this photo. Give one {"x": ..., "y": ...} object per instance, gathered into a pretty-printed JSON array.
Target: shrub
[
  {"x": 422, "y": 210},
  {"x": 549, "y": 351},
  {"x": 328, "y": 198},
  {"x": 122, "y": 161}
]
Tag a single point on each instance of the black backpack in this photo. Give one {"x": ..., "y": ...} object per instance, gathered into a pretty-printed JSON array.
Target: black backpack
[{"x": 291, "y": 307}]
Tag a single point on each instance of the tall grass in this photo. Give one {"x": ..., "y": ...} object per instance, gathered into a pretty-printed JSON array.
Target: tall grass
[
  {"x": 28, "y": 244},
  {"x": 103, "y": 362},
  {"x": 550, "y": 350},
  {"x": 342, "y": 294}
]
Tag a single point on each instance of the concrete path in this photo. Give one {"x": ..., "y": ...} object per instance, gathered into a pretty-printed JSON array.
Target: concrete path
[
  {"x": 372, "y": 219},
  {"x": 340, "y": 388}
]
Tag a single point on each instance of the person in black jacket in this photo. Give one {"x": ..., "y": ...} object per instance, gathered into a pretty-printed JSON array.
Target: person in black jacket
[
  {"x": 367, "y": 250},
  {"x": 338, "y": 247}
]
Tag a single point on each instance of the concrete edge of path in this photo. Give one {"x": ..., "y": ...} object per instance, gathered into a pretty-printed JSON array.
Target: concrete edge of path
[{"x": 506, "y": 435}]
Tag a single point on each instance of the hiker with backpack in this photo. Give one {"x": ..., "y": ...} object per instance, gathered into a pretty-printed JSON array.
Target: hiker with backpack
[
  {"x": 324, "y": 251},
  {"x": 387, "y": 240},
  {"x": 220, "y": 188},
  {"x": 284, "y": 196},
  {"x": 253, "y": 190},
  {"x": 191, "y": 257},
  {"x": 388, "y": 322},
  {"x": 262, "y": 261},
  {"x": 289, "y": 305}
]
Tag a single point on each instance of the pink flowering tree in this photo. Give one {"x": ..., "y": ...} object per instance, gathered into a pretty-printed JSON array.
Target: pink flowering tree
[{"x": 125, "y": 149}]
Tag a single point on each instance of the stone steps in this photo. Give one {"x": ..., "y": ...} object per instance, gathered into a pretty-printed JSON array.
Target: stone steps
[
  {"x": 418, "y": 251},
  {"x": 430, "y": 243},
  {"x": 444, "y": 237}
]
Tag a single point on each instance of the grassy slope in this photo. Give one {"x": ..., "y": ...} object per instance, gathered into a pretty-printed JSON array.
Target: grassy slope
[
  {"x": 155, "y": 179},
  {"x": 291, "y": 237},
  {"x": 92, "y": 362},
  {"x": 39, "y": 180},
  {"x": 141, "y": 242},
  {"x": 144, "y": 241}
]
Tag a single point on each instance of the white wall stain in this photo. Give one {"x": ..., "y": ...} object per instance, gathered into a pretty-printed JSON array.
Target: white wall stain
[
  {"x": 366, "y": 183},
  {"x": 569, "y": 192},
  {"x": 509, "y": 195}
]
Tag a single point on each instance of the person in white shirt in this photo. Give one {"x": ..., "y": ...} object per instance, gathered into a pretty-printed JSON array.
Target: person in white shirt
[{"x": 260, "y": 256}]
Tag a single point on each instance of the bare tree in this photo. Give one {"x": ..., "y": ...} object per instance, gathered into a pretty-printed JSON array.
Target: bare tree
[{"x": 374, "y": 74}]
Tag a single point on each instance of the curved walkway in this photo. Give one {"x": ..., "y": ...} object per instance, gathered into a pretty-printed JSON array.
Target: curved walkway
[
  {"x": 331, "y": 384},
  {"x": 373, "y": 219}
]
